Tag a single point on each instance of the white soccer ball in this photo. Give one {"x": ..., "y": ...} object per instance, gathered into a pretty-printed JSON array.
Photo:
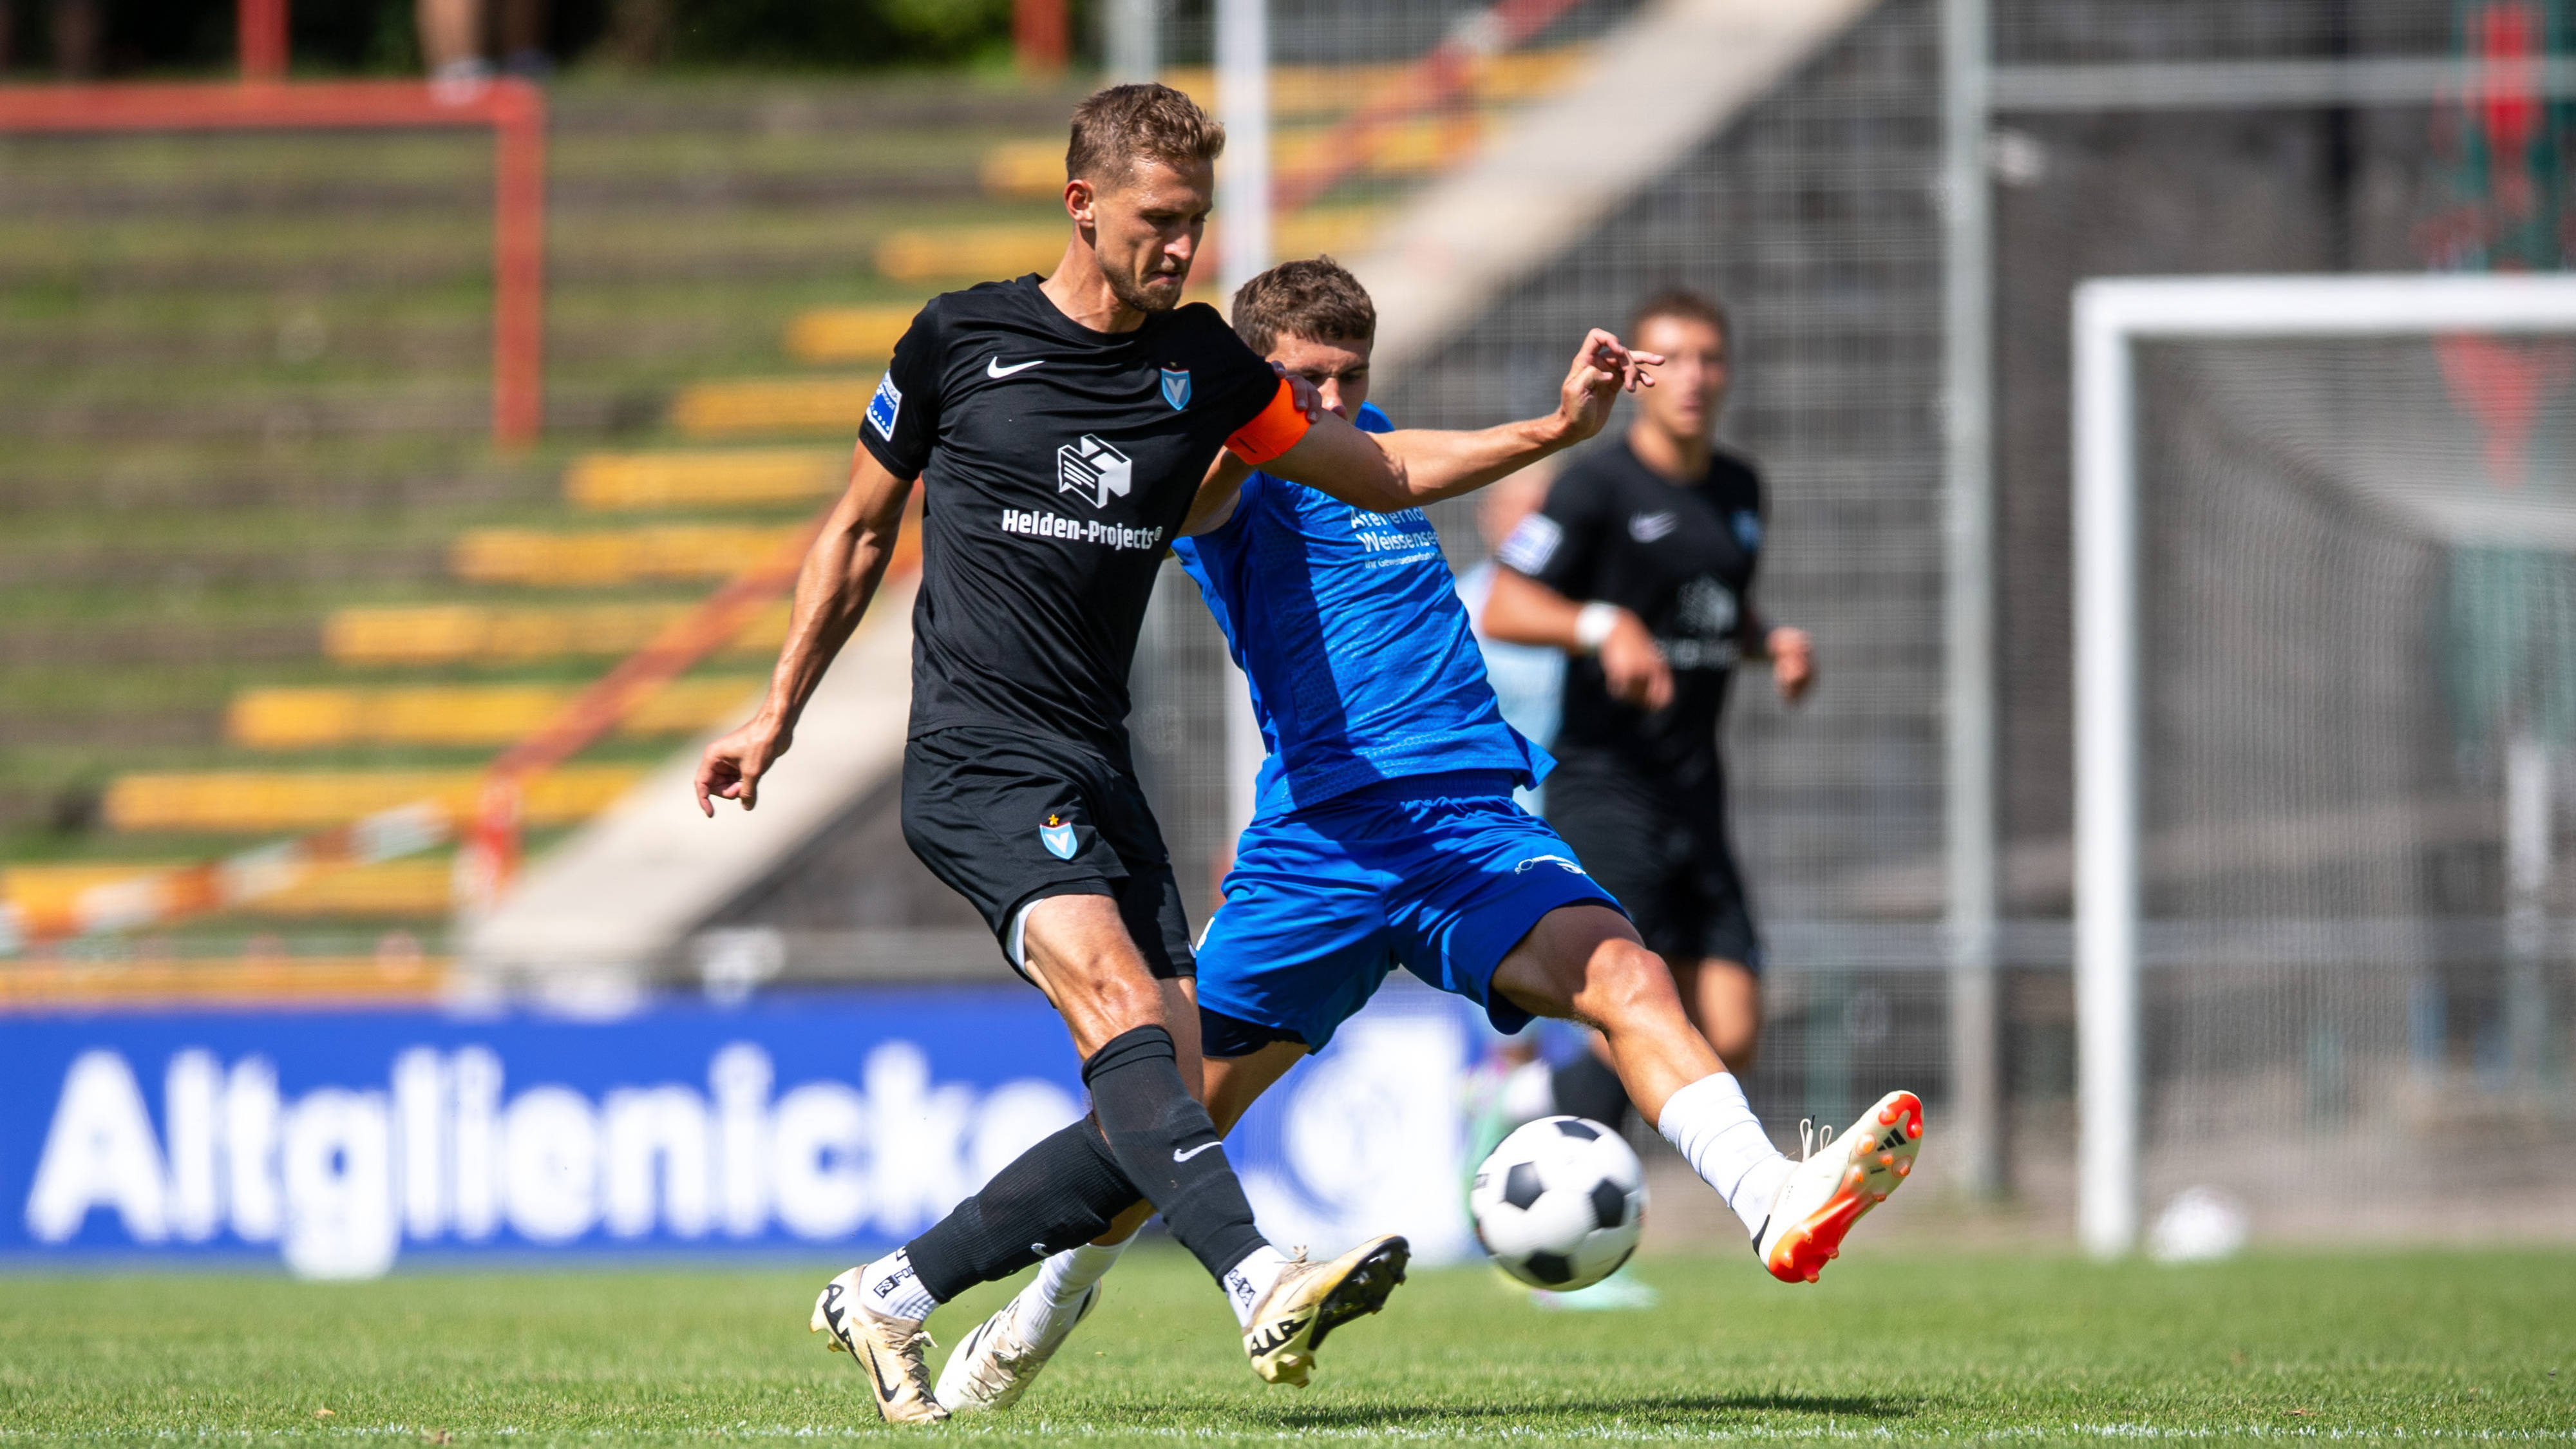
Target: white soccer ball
[{"x": 1560, "y": 1203}]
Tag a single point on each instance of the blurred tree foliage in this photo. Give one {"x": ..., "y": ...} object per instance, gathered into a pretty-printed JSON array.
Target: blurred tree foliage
[{"x": 141, "y": 37}]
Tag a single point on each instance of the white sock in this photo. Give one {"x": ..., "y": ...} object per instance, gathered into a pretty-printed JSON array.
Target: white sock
[
  {"x": 1248, "y": 1280},
  {"x": 1714, "y": 1128},
  {"x": 890, "y": 1289},
  {"x": 1063, "y": 1278}
]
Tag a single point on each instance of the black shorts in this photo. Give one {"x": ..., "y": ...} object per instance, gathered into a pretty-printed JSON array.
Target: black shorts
[
  {"x": 1664, "y": 853},
  {"x": 1006, "y": 819}
]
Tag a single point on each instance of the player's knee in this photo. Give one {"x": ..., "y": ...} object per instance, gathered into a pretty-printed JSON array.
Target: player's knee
[{"x": 1627, "y": 987}]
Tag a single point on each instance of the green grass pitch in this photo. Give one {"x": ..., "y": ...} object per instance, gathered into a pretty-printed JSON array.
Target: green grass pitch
[{"x": 1896, "y": 1343}]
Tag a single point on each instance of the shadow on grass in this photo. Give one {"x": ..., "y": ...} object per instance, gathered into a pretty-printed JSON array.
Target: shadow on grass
[{"x": 1854, "y": 1406}]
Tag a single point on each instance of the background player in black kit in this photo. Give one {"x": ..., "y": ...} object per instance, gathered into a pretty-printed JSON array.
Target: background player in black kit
[
  {"x": 1062, "y": 430},
  {"x": 1641, "y": 566}
]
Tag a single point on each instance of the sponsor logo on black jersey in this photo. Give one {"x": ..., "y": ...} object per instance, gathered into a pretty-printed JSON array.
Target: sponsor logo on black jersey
[
  {"x": 1080, "y": 530},
  {"x": 1093, "y": 469},
  {"x": 995, "y": 368},
  {"x": 1176, "y": 387}
]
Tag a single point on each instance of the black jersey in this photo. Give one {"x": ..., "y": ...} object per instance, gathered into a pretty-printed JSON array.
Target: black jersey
[
  {"x": 1679, "y": 556},
  {"x": 1056, "y": 463}
]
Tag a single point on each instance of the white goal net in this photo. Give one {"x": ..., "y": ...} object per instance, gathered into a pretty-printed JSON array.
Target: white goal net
[{"x": 2326, "y": 584}]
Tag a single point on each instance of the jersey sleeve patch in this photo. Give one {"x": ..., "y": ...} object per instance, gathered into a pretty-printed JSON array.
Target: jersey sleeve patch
[
  {"x": 1531, "y": 545},
  {"x": 886, "y": 406},
  {"x": 1277, "y": 428}
]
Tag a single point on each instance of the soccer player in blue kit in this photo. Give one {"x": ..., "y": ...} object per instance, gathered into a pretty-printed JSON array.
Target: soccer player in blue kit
[{"x": 1385, "y": 834}]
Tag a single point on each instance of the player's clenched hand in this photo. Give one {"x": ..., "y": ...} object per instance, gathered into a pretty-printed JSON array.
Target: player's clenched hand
[
  {"x": 1633, "y": 666},
  {"x": 1793, "y": 662},
  {"x": 1603, "y": 368},
  {"x": 732, "y": 766}
]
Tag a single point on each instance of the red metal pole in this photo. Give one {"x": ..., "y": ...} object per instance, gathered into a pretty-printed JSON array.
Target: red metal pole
[
  {"x": 1039, "y": 36},
  {"x": 259, "y": 32},
  {"x": 519, "y": 262}
]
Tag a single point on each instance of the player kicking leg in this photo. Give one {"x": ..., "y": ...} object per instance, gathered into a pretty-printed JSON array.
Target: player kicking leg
[{"x": 1386, "y": 833}]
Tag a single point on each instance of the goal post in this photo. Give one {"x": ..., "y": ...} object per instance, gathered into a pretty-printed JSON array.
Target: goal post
[{"x": 2112, "y": 316}]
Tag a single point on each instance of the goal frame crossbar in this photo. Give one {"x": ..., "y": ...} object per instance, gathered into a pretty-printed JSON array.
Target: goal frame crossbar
[{"x": 2112, "y": 315}]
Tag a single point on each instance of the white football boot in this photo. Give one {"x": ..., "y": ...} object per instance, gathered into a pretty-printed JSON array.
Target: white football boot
[
  {"x": 888, "y": 1348},
  {"x": 1310, "y": 1300},
  {"x": 1830, "y": 1191},
  {"x": 1001, "y": 1358}
]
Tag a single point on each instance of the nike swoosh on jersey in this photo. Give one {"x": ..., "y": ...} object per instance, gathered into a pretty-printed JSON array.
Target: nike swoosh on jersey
[
  {"x": 1647, "y": 527},
  {"x": 1179, "y": 1156},
  {"x": 995, "y": 368}
]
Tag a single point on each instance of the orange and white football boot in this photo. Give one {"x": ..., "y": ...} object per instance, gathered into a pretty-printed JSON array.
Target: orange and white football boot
[{"x": 1831, "y": 1190}]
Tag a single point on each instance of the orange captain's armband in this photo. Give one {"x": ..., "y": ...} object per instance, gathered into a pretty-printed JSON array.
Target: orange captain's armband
[{"x": 1274, "y": 432}]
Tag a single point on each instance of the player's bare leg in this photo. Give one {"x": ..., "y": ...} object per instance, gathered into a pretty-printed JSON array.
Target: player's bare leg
[
  {"x": 1724, "y": 1000},
  {"x": 1586, "y": 962}
]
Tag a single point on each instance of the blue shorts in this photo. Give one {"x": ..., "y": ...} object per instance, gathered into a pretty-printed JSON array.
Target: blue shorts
[{"x": 1440, "y": 874}]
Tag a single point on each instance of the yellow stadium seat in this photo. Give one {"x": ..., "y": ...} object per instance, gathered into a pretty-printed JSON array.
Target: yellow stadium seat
[
  {"x": 613, "y": 556},
  {"x": 1326, "y": 90},
  {"x": 610, "y": 482},
  {"x": 419, "y": 887},
  {"x": 1344, "y": 232},
  {"x": 774, "y": 405},
  {"x": 260, "y": 801},
  {"x": 490, "y": 714},
  {"x": 242, "y": 980},
  {"x": 853, "y": 334},
  {"x": 475, "y": 634},
  {"x": 969, "y": 251},
  {"x": 1029, "y": 169}
]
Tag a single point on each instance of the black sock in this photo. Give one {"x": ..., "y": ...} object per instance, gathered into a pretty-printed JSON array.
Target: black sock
[
  {"x": 1166, "y": 1144},
  {"x": 1060, "y": 1193},
  {"x": 1587, "y": 1087}
]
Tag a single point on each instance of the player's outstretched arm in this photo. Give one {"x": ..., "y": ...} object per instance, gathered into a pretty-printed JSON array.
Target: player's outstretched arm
[
  {"x": 840, "y": 576},
  {"x": 1416, "y": 466},
  {"x": 1521, "y": 610}
]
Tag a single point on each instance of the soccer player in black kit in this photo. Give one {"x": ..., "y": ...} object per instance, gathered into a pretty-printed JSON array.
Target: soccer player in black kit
[
  {"x": 1062, "y": 430},
  {"x": 1640, "y": 567}
]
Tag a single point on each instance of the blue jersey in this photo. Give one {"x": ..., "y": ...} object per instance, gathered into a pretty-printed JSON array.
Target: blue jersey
[{"x": 1348, "y": 625}]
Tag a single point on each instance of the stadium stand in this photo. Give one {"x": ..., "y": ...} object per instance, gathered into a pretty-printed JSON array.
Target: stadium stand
[
  {"x": 397, "y": 600},
  {"x": 617, "y": 482},
  {"x": 459, "y": 714},
  {"x": 474, "y": 633}
]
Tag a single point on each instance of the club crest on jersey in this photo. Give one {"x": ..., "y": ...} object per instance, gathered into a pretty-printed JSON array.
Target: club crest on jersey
[
  {"x": 885, "y": 407},
  {"x": 1176, "y": 387},
  {"x": 1057, "y": 836},
  {"x": 1093, "y": 469}
]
